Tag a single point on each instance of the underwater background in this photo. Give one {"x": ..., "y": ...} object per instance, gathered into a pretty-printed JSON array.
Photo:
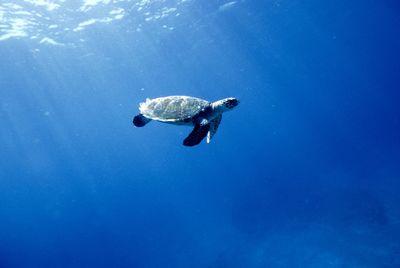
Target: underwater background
[{"x": 303, "y": 173}]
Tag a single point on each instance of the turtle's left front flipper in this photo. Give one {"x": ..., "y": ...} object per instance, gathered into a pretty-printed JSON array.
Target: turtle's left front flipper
[
  {"x": 213, "y": 127},
  {"x": 198, "y": 133}
]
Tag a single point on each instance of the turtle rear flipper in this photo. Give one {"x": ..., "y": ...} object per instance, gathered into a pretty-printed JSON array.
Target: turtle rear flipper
[
  {"x": 198, "y": 133},
  {"x": 140, "y": 120}
]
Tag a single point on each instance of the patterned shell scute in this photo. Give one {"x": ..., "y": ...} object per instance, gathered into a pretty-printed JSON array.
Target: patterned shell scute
[{"x": 172, "y": 108}]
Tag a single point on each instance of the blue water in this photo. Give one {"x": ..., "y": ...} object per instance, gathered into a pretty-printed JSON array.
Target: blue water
[{"x": 303, "y": 173}]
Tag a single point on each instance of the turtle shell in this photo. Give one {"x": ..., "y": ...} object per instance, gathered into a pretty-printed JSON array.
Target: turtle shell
[{"x": 172, "y": 108}]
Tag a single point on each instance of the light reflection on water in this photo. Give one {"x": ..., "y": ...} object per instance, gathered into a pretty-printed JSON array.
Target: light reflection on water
[{"x": 50, "y": 21}]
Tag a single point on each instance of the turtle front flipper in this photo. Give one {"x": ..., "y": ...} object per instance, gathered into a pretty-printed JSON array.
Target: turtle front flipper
[
  {"x": 140, "y": 120},
  {"x": 213, "y": 127},
  {"x": 198, "y": 133}
]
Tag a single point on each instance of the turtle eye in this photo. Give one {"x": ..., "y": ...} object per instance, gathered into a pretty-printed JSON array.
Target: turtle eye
[{"x": 232, "y": 103}]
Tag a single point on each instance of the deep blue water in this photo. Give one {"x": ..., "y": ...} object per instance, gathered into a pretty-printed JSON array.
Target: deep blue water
[{"x": 303, "y": 173}]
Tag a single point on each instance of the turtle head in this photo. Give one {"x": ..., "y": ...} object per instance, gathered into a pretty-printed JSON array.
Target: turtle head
[{"x": 225, "y": 104}]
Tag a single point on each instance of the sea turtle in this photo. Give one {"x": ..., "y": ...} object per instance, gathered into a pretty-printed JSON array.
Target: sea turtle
[{"x": 184, "y": 110}]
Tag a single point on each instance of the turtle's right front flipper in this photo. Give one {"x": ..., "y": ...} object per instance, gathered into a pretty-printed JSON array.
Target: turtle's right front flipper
[
  {"x": 198, "y": 133},
  {"x": 140, "y": 120}
]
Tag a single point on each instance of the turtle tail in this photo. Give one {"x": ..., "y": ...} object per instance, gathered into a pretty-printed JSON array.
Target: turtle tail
[{"x": 140, "y": 120}]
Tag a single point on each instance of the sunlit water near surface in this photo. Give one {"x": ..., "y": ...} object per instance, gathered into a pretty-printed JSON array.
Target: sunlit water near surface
[
  {"x": 303, "y": 173},
  {"x": 59, "y": 22}
]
